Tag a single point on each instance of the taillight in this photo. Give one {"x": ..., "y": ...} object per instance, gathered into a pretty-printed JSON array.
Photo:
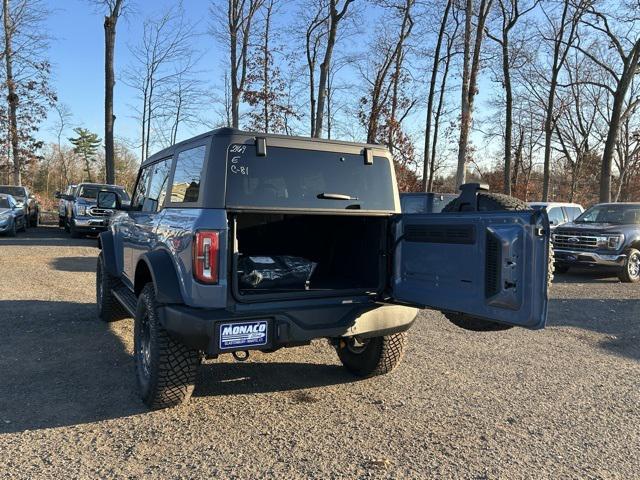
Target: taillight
[{"x": 205, "y": 256}]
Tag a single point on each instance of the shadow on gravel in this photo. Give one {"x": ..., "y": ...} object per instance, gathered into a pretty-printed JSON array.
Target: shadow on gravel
[
  {"x": 74, "y": 264},
  {"x": 59, "y": 365},
  {"x": 228, "y": 379},
  {"x": 619, "y": 319},
  {"x": 587, "y": 275},
  {"x": 47, "y": 236}
]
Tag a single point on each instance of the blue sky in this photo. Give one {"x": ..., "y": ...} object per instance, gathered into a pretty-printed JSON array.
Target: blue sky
[{"x": 77, "y": 55}]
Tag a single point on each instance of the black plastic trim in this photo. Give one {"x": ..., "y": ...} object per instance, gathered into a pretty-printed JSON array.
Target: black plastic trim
[{"x": 164, "y": 276}]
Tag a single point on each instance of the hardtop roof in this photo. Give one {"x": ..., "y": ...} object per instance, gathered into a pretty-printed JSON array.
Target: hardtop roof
[{"x": 228, "y": 131}]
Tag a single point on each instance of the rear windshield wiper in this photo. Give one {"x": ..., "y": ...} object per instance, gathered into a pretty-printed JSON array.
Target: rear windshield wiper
[{"x": 335, "y": 196}]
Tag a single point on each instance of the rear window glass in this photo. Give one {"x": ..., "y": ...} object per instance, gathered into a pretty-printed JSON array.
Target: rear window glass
[
  {"x": 14, "y": 191},
  {"x": 292, "y": 178},
  {"x": 186, "y": 179},
  {"x": 413, "y": 203},
  {"x": 91, "y": 192}
]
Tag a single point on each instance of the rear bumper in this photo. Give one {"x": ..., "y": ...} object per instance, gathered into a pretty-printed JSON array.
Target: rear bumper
[
  {"x": 579, "y": 257},
  {"x": 199, "y": 328}
]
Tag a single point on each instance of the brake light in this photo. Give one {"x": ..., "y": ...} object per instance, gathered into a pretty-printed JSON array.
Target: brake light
[{"x": 205, "y": 256}]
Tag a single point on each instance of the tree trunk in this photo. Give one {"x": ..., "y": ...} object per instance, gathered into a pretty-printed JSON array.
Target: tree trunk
[
  {"x": 12, "y": 96},
  {"x": 110, "y": 23},
  {"x": 558, "y": 60},
  {"x": 428, "y": 158},
  {"x": 325, "y": 66},
  {"x": 322, "y": 83},
  {"x": 233, "y": 43},
  {"x": 465, "y": 114},
  {"x": 469, "y": 81},
  {"x": 630, "y": 69},
  {"x": 508, "y": 124},
  {"x": 436, "y": 120}
]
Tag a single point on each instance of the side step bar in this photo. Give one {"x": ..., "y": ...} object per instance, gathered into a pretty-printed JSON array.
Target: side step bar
[{"x": 126, "y": 298}]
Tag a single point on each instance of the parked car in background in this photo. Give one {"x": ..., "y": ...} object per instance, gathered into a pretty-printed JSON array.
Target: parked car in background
[
  {"x": 236, "y": 241},
  {"x": 12, "y": 217},
  {"x": 26, "y": 201},
  {"x": 424, "y": 202},
  {"x": 559, "y": 212},
  {"x": 606, "y": 235},
  {"x": 64, "y": 204},
  {"x": 82, "y": 216}
]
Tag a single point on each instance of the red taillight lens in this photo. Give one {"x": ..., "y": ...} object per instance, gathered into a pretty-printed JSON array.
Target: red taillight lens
[{"x": 205, "y": 256}]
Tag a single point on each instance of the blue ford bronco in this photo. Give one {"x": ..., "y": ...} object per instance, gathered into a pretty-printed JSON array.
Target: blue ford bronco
[{"x": 236, "y": 241}]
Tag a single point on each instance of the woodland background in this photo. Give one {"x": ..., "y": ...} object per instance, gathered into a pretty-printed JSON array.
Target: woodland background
[{"x": 538, "y": 98}]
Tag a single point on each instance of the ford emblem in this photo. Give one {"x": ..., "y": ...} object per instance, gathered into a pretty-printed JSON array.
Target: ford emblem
[{"x": 573, "y": 239}]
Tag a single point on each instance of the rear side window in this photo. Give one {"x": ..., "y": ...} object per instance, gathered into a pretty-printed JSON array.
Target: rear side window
[
  {"x": 307, "y": 179},
  {"x": 413, "y": 204},
  {"x": 556, "y": 217},
  {"x": 141, "y": 189},
  {"x": 154, "y": 198},
  {"x": 187, "y": 176}
]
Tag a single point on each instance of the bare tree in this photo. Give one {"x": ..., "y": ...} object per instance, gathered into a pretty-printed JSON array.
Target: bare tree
[
  {"x": 113, "y": 10},
  {"x": 426, "y": 171},
  {"x": 236, "y": 29},
  {"x": 164, "y": 56},
  {"x": 448, "y": 37},
  {"x": 315, "y": 19},
  {"x": 25, "y": 79},
  {"x": 562, "y": 36},
  {"x": 510, "y": 12},
  {"x": 266, "y": 89},
  {"x": 623, "y": 37},
  {"x": 60, "y": 126},
  {"x": 12, "y": 96},
  {"x": 470, "y": 69},
  {"x": 335, "y": 16}
]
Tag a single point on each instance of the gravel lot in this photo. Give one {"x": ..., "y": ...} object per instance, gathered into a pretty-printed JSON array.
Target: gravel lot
[{"x": 559, "y": 403}]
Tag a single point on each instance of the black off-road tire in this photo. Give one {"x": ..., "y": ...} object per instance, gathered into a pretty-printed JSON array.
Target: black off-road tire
[
  {"x": 630, "y": 271},
  {"x": 24, "y": 225},
  {"x": 166, "y": 369},
  {"x": 560, "y": 268},
  {"x": 492, "y": 202},
  {"x": 377, "y": 356},
  {"x": 109, "y": 308}
]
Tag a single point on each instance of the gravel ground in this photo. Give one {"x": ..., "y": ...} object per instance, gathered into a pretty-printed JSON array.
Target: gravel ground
[{"x": 558, "y": 403}]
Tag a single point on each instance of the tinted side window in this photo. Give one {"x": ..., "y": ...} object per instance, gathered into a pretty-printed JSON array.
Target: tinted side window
[
  {"x": 158, "y": 186},
  {"x": 413, "y": 204},
  {"x": 572, "y": 213},
  {"x": 556, "y": 216},
  {"x": 141, "y": 189},
  {"x": 186, "y": 179}
]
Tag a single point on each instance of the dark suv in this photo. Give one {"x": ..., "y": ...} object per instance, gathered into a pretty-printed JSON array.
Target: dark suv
[
  {"x": 606, "y": 235},
  {"x": 237, "y": 241}
]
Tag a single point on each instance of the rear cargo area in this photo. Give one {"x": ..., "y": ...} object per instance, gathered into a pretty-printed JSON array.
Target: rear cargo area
[{"x": 289, "y": 254}]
